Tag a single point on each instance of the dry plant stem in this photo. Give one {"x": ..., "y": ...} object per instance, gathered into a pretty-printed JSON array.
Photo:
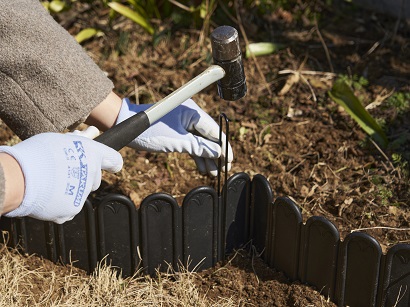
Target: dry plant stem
[
  {"x": 180, "y": 5},
  {"x": 310, "y": 87},
  {"x": 205, "y": 26},
  {"x": 385, "y": 156},
  {"x": 379, "y": 100},
  {"x": 266, "y": 128},
  {"x": 396, "y": 25},
  {"x": 299, "y": 75},
  {"x": 239, "y": 22},
  {"x": 153, "y": 96},
  {"x": 324, "y": 46},
  {"x": 400, "y": 296},
  {"x": 309, "y": 72},
  {"x": 373, "y": 48},
  {"x": 380, "y": 227},
  {"x": 137, "y": 93},
  {"x": 255, "y": 253}
]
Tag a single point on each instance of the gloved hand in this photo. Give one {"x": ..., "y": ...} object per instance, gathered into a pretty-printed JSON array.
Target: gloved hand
[
  {"x": 186, "y": 129},
  {"x": 60, "y": 170}
]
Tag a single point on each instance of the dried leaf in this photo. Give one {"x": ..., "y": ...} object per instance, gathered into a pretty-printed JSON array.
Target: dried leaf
[{"x": 290, "y": 81}]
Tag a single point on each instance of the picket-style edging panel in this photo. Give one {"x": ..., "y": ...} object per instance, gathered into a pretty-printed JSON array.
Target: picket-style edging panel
[
  {"x": 359, "y": 268},
  {"x": 210, "y": 225},
  {"x": 319, "y": 251},
  {"x": 160, "y": 225},
  {"x": 285, "y": 237},
  {"x": 36, "y": 237},
  {"x": 261, "y": 201},
  {"x": 235, "y": 213},
  {"x": 200, "y": 228},
  {"x": 77, "y": 240},
  {"x": 395, "y": 286}
]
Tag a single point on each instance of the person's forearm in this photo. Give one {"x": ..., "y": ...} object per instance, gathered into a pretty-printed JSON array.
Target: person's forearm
[
  {"x": 14, "y": 183},
  {"x": 105, "y": 114}
]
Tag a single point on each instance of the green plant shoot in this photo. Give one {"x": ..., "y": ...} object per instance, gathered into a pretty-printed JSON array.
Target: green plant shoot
[
  {"x": 262, "y": 48},
  {"x": 55, "y": 6},
  {"x": 87, "y": 33},
  {"x": 344, "y": 96},
  {"x": 133, "y": 15}
]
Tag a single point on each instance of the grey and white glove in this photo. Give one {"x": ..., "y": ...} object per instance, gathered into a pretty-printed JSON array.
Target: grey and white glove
[
  {"x": 186, "y": 129},
  {"x": 60, "y": 170}
]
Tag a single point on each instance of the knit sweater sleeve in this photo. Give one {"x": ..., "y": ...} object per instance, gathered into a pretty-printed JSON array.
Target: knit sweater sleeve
[{"x": 47, "y": 81}]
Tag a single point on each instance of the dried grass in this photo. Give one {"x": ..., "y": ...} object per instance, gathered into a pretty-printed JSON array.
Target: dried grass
[{"x": 53, "y": 285}]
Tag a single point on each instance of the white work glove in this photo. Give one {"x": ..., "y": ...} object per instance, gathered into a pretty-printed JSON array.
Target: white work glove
[
  {"x": 60, "y": 171},
  {"x": 186, "y": 129}
]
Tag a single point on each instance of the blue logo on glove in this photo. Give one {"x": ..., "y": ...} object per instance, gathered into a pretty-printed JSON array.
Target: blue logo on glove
[{"x": 83, "y": 172}]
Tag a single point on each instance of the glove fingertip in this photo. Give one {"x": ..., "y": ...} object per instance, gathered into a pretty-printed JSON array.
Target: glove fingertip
[
  {"x": 212, "y": 167},
  {"x": 112, "y": 162},
  {"x": 200, "y": 164},
  {"x": 228, "y": 168},
  {"x": 63, "y": 220},
  {"x": 213, "y": 173}
]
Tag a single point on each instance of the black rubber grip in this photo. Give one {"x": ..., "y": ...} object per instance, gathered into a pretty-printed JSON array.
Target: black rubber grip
[{"x": 122, "y": 134}]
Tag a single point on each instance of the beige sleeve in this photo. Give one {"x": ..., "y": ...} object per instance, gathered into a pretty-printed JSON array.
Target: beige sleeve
[{"x": 47, "y": 81}]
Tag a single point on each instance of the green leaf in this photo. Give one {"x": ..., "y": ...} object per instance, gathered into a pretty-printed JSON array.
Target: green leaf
[
  {"x": 56, "y": 6},
  {"x": 262, "y": 48},
  {"x": 46, "y": 5},
  {"x": 87, "y": 33},
  {"x": 344, "y": 96},
  {"x": 133, "y": 15}
]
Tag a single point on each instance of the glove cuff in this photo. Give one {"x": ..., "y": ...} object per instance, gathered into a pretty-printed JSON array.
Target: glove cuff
[
  {"x": 29, "y": 163},
  {"x": 129, "y": 109}
]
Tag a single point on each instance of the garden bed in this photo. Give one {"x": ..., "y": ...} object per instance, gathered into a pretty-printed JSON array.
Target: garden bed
[{"x": 286, "y": 128}]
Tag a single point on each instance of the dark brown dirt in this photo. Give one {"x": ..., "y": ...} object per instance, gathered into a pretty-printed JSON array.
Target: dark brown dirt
[
  {"x": 248, "y": 280},
  {"x": 286, "y": 128}
]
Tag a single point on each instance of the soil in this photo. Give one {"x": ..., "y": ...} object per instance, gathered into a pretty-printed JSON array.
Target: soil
[{"x": 287, "y": 128}]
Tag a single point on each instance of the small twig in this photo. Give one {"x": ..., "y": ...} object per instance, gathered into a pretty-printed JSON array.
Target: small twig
[
  {"x": 266, "y": 128},
  {"x": 180, "y": 5},
  {"x": 149, "y": 87},
  {"x": 385, "y": 156},
  {"x": 299, "y": 75},
  {"x": 296, "y": 166},
  {"x": 373, "y": 48},
  {"x": 324, "y": 45},
  {"x": 377, "y": 44},
  {"x": 183, "y": 55},
  {"x": 380, "y": 227},
  {"x": 309, "y": 72},
  {"x": 137, "y": 94},
  {"x": 379, "y": 100},
  {"x": 310, "y": 87},
  {"x": 207, "y": 19},
  {"x": 400, "y": 296},
  {"x": 247, "y": 44},
  {"x": 254, "y": 252},
  {"x": 396, "y": 26}
]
